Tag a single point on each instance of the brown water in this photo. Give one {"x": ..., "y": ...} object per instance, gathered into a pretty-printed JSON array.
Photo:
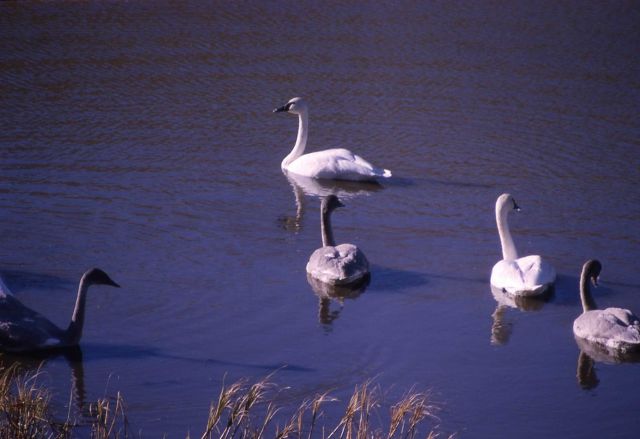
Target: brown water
[{"x": 138, "y": 137}]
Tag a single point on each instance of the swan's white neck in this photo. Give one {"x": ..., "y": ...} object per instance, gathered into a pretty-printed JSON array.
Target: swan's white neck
[
  {"x": 588, "y": 304},
  {"x": 301, "y": 141},
  {"x": 509, "y": 251}
]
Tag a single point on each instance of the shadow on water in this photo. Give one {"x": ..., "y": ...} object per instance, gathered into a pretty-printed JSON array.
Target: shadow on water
[
  {"x": 501, "y": 326},
  {"x": 334, "y": 293},
  {"x": 568, "y": 291},
  {"x": 395, "y": 279},
  {"x": 98, "y": 351},
  {"x": 398, "y": 279},
  {"x": 19, "y": 280},
  {"x": 454, "y": 183},
  {"x": 591, "y": 353},
  {"x": 397, "y": 181},
  {"x": 305, "y": 186}
]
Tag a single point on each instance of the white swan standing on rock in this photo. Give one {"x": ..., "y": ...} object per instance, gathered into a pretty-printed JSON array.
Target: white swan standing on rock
[
  {"x": 616, "y": 329},
  {"x": 335, "y": 164},
  {"x": 343, "y": 264},
  {"x": 24, "y": 330},
  {"x": 525, "y": 276}
]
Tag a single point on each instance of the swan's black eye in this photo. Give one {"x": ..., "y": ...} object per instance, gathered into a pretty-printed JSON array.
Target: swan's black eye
[{"x": 288, "y": 106}]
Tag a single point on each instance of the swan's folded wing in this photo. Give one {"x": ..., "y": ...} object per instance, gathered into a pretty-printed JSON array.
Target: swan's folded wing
[
  {"x": 608, "y": 327},
  {"x": 525, "y": 276},
  {"x": 338, "y": 265},
  {"x": 334, "y": 164},
  {"x": 536, "y": 271},
  {"x": 623, "y": 316}
]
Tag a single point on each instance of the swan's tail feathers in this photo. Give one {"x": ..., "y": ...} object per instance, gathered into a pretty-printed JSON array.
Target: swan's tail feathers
[{"x": 385, "y": 173}]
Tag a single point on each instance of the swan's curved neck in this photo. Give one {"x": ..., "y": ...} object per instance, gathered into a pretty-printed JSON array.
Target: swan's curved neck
[
  {"x": 509, "y": 251},
  {"x": 74, "y": 331},
  {"x": 327, "y": 232},
  {"x": 588, "y": 304},
  {"x": 301, "y": 140}
]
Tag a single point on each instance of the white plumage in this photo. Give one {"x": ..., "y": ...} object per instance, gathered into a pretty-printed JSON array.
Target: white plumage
[
  {"x": 335, "y": 164},
  {"x": 4, "y": 290},
  {"x": 526, "y": 276}
]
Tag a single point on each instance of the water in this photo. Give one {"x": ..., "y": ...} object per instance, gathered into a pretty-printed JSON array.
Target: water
[{"x": 138, "y": 137}]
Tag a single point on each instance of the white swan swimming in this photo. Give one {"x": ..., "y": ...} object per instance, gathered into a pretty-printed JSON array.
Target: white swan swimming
[
  {"x": 336, "y": 264},
  {"x": 616, "y": 329},
  {"x": 335, "y": 164},
  {"x": 24, "y": 330},
  {"x": 525, "y": 276}
]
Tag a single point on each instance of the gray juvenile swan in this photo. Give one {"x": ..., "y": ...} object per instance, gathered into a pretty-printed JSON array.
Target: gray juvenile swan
[
  {"x": 616, "y": 329},
  {"x": 335, "y": 164},
  {"x": 23, "y": 330},
  {"x": 525, "y": 276},
  {"x": 336, "y": 264}
]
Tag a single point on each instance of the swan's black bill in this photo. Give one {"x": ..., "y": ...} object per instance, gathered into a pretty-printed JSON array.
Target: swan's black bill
[
  {"x": 285, "y": 108},
  {"x": 515, "y": 206}
]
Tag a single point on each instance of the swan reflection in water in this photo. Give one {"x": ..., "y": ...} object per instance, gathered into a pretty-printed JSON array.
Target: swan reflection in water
[
  {"x": 321, "y": 188},
  {"x": 334, "y": 293},
  {"x": 591, "y": 353},
  {"x": 33, "y": 362},
  {"x": 501, "y": 328}
]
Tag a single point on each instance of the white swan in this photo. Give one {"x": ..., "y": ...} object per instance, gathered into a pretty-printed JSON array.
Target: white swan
[
  {"x": 336, "y": 264},
  {"x": 616, "y": 329},
  {"x": 23, "y": 330},
  {"x": 526, "y": 276},
  {"x": 4, "y": 290},
  {"x": 335, "y": 164}
]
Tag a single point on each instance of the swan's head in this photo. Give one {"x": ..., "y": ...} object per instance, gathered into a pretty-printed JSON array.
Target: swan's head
[
  {"x": 95, "y": 276},
  {"x": 507, "y": 202},
  {"x": 330, "y": 203},
  {"x": 294, "y": 106},
  {"x": 591, "y": 269}
]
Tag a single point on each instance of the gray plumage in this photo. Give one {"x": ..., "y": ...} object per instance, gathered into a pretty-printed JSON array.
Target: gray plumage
[
  {"x": 23, "y": 329},
  {"x": 336, "y": 264},
  {"x": 617, "y": 329}
]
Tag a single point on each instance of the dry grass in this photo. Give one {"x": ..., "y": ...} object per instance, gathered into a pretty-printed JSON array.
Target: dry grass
[
  {"x": 108, "y": 419},
  {"x": 241, "y": 410},
  {"x": 230, "y": 416},
  {"x": 24, "y": 408}
]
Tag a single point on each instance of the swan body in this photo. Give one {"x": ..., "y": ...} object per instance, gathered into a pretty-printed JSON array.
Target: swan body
[
  {"x": 526, "y": 276},
  {"x": 23, "y": 329},
  {"x": 342, "y": 264},
  {"x": 616, "y": 329},
  {"x": 334, "y": 164}
]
